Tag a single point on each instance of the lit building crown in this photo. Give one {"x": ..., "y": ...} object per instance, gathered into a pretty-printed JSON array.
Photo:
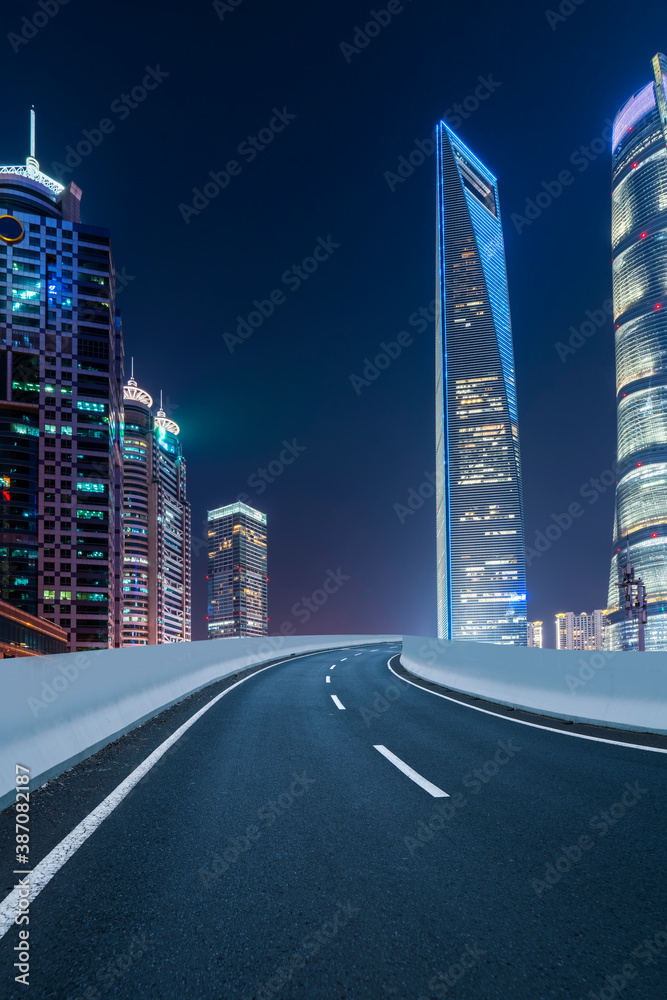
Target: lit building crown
[
  {"x": 164, "y": 423},
  {"x": 132, "y": 391},
  {"x": 137, "y": 395},
  {"x": 31, "y": 168},
  {"x": 32, "y": 172}
]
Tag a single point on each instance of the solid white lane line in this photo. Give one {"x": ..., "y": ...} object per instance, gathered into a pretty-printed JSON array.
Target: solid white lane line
[
  {"x": 53, "y": 862},
  {"x": 522, "y": 722},
  {"x": 337, "y": 702},
  {"x": 428, "y": 786},
  {"x": 328, "y": 679}
]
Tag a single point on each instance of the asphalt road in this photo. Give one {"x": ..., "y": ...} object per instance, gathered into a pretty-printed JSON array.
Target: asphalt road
[{"x": 274, "y": 851}]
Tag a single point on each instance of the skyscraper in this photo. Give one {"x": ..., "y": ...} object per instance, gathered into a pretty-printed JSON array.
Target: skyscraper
[
  {"x": 237, "y": 580},
  {"x": 480, "y": 544},
  {"x": 61, "y": 357},
  {"x": 156, "y": 526},
  {"x": 582, "y": 631},
  {"x": 639, "y": 242}
]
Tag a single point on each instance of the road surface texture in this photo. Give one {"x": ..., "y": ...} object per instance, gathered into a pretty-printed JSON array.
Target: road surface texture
[{"x": 327, "y": 830}]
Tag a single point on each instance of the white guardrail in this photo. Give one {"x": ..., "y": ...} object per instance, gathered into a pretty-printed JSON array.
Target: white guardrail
[
  {"x": 58, "y": 710},
  {"x": 619, "y": 690}
]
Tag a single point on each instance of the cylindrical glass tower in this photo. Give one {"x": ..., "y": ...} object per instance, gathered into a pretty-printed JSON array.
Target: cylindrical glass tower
[{"x": 639, "y": 242}]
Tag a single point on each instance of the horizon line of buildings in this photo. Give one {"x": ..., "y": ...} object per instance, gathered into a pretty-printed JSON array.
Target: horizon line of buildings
[
  {"x": 95, "y": 517},
  {"x": 581, "y": 631}
]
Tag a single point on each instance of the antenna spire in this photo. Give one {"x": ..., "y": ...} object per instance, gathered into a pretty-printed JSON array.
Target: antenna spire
[
  {"x": 132, "y": 372},
  {"x": 160, "y": 398},
  {"x": 32, "y": 132}
]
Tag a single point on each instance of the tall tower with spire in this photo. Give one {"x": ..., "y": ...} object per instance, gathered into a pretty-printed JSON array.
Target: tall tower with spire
[
  {"x": 156, "y": 525},
  {"x": 61, "y": 359}
]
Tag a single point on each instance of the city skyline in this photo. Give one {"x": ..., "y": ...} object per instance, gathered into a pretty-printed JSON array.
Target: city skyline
[
  {"x": 348, "y": 440},
  {"x": 473, "y": 177}
]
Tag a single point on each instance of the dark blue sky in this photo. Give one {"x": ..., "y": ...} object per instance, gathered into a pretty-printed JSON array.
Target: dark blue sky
[{"x": 322, "y": 177}]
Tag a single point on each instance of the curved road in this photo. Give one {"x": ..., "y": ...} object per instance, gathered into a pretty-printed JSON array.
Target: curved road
[{"x": 341, "y": 834}]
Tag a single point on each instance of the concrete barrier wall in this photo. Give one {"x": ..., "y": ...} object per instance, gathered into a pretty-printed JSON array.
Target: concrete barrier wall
[
  {"x": 622, "y": 690},
  {"x": 57, "y": 710}
]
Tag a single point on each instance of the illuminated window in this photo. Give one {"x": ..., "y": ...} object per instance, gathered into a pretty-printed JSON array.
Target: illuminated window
[
  {"x": 90, "y": 407},
  {"x": 24, "y": 429},
  {"x": 90, "y": 487}
]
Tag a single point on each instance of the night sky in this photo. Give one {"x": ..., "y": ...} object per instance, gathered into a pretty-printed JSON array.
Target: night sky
[{"x": 341, "y": 119}]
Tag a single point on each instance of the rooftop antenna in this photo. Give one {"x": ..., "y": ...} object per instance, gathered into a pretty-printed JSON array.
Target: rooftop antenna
[
  {"x": 160, "y": 398},
  {"x": 132, "y": 382},
  {"x": 634, "y": 608},
  {"x": 31, "y": 163}
]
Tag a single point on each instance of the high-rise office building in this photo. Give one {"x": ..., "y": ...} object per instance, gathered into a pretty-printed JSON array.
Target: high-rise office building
[
  {"x": 156, "y": 526},
  {"x": 535, "y": 634},
  {"x": 582, "y": 631},
  {"x": 61, "y": 357},
  {"x": 639, "y": 242},
  {"x": 480, "y": 543},
  {"x": 237, "y": 580}
]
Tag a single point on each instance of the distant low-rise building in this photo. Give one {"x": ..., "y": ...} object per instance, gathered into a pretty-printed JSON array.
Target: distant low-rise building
[
  {"x": 535, "y": 637},
  {"x": 582, "y": 631}
]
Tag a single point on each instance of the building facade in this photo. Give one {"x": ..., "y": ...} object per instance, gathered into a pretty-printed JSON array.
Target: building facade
[
  {"x": 237, "y": 580},
  {"x": 61, "y": 359},
  {"x": 582, "y": 631},
  {"x": 156, "y": 526},
  {"x": 639, "y": 242},
  {"x": 480, "y": 541},
  {"x": 535, "y": 635}
]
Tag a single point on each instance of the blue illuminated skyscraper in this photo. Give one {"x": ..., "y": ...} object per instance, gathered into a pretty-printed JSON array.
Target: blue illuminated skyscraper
[
  {"x": 480, "y": 544},
  {"x": 639, "y": 251}
]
